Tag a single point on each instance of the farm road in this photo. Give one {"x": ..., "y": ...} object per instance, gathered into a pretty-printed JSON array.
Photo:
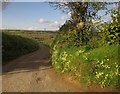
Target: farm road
[{"x": 34, "y": 73}]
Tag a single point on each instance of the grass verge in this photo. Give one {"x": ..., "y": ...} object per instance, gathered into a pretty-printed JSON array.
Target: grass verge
[
  {"x": 14, "y": 46},
  {"x": 99, "y": 65}
]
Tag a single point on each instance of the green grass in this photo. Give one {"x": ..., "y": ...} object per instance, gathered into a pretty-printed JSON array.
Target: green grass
[
  {"x": 89, "y": 57},
  {"x": 47, "y": 42},
  {"x": 104, "y": 52},
  {"x": 89, "y": 63},
  {"x": 44, "y": 38},
  {"x": 105, "y": 60},
  {"x": 14, "y": 46}
]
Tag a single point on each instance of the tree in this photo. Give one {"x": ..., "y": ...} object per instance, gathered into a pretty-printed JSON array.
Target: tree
[
  {"x": 80, "y": 11},
  {"x": 67, "y": 26},
  {"x": 82, "y": 14}
]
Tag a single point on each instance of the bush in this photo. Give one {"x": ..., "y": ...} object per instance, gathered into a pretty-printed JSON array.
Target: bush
[
  {"x": 94, "y": 61},
  {"x": 14, "y": 46},
  {"x": 112, "y": 33},
  {"x": 97, "y": 66},
  {"x": 104, "y": 65}
]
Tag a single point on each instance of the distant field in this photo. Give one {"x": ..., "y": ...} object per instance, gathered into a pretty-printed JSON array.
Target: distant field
[
  {"x": 14, "y": 46},
  {"x": 42, "y": 37},
  {"x": 18, "y": 43}
]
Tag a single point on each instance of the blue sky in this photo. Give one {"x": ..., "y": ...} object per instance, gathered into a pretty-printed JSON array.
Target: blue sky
[
  {"x": 35, "y": 16},
  {"x": 32, "y": 15}
]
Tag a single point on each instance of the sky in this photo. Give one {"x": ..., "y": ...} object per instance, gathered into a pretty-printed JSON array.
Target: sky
[
  {"x": 32, "y": 16},
  {"x": 35, "y": 16}
]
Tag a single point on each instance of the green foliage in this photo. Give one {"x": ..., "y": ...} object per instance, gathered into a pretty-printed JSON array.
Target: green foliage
[
  {"x": 91, "y": 62},
  {"x": 90, "y": 57},
  {"x": 99, "y": 65},
  {"x": 112, "y": 33},
  {"x": 42, "y": 37},
  {"x": 14, "y": 46},
  {"x": 105, "y": 65}
]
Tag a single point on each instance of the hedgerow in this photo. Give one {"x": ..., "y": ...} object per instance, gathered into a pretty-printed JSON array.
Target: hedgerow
[{"x": 93, "y": 62}]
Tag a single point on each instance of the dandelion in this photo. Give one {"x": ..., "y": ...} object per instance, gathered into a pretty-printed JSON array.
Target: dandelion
[
  {"x": 80, "y": 51},
  {"x": 102, "y": 62},
  {"x": 116, "y": 66},
  {"x": 68, "y": 63},
  {"x": 102, "y": 83},
  {"x": 106, "y": 66},
  {"x": 106, "y": 75},
  {"x": 54, "y": 47},
  {"x": 85, "y": 57},
  {"x": 97, "y": 75}
]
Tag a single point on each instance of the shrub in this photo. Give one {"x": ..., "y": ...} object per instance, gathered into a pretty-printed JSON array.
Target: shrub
[
  {"x": 112, "y": 33},
  {"x": 91, "y": 62},
  {"x": 98, "y": 66}
]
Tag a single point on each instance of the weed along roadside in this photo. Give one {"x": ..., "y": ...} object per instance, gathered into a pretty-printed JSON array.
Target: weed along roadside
[
  {"x": 33, "y": 73},
  {"x": 74, "y": 48},
  {"x": 94, "y": 60}
]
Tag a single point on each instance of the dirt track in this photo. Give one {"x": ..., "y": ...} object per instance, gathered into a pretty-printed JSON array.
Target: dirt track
[{"x": 34, "y": 73}]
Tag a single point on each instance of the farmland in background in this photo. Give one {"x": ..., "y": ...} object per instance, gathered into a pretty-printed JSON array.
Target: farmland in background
[
  {"x": 44, "y": 37},
  {"x": 17, "y": 43}
]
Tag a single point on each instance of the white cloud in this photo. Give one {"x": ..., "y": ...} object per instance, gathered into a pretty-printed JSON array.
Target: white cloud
[
  {"x": 41, "y": 20},
  {"x": 62, "y": 1},
  {"x": 51, "y": 23},
  {"x": 32, "y": 28},
  {"x": 55, "y": 24}
]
